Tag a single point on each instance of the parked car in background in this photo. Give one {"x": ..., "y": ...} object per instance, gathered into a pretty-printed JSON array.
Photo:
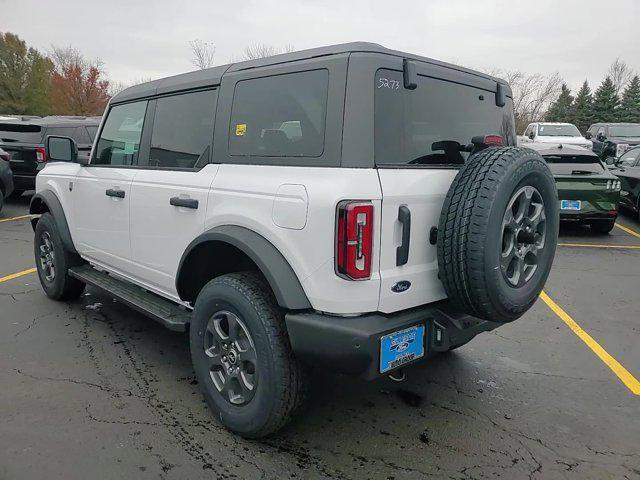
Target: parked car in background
[
  {"x": 611, "y": 140},
  {"x": 627, "y": 169},
  {"x": 6, "y": 179},
  {"x": 588, "y": 192},
  {"x": 24, "y": 140},
  {"x": 553, "y": 132}
]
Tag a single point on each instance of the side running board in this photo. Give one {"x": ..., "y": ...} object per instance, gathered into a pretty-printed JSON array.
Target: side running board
[{"x": 167, "y": 313}]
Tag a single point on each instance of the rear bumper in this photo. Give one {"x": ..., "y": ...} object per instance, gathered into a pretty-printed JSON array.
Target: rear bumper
[
  {"x": 351, "y": 345},
  {"x": 24, "y": 182},
  {"x": 587, "y": 216}
]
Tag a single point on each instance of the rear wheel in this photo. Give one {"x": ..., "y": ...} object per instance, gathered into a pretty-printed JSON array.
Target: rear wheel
[
  {"x": 242, "y": 356},
  {"x": 53, "y": 262},
  {"x": 497, "y": 233},
  {"x": 602, "y": 226}
]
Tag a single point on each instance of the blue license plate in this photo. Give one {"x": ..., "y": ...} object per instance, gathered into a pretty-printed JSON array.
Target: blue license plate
[
  {"x": 570, "y": 204},
  {"x": 401, "y": 347}
]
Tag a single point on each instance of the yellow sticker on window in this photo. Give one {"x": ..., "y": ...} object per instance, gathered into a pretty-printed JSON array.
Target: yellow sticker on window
[{"x": 241, "y": 129}]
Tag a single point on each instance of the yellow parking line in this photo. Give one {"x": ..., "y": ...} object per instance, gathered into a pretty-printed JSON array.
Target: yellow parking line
[
  {"x": 16, "y": 275},
  {"x": 19, "y": 217},
  {"x": 628, "y": 230},
  {"x": 623, "y": 374},
  {"x": 596, "y": 246}
]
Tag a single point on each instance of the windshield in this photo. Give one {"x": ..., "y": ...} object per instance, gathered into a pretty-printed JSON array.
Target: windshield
[
  {"x": 625, "y": 130},
  {"x": 434, "y": 123},
  {"x": 558, "y": 131},
  {"x": 14, "y": 132}
]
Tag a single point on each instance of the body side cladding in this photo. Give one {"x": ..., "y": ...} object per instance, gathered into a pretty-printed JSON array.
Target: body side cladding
[
  {"x": 48, "y": 201},
  {"x": 271, "y": 263}
]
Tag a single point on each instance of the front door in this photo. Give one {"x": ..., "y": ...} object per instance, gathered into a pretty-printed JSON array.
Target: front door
[
  {"x": 102, "y": 190},
  {"x": 170, "y": 190}
]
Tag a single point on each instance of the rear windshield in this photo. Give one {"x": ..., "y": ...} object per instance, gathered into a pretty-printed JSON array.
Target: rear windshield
[
  {"x": 14, "y": 133},
  {"x": 433, "y": 124},
  {"x": 559, "y": 131},
  {"x": 575, "y": 163}
]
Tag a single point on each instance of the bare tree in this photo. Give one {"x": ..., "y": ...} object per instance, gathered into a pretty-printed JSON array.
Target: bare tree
[
  {"x": 620, "y": 74},
  {"x": 203, "y": 53},
  {"x": 262, "y": 50},
  {"x": 532, "y": 94}
]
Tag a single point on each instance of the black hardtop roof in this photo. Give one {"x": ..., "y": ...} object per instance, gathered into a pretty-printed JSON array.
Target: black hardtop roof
[
  {"x": 56, "y": 121},
  {"x": 559, "y": 149},
  {"x": 609, "y": 124},
  {"x": 213, "y": 76}
]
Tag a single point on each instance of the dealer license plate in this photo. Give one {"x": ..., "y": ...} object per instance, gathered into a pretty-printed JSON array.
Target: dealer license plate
[
  {"x": 401, "y": 347},
  {"x": 570, "y": 204}
]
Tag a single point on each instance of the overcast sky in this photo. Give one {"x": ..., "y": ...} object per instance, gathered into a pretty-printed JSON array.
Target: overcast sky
[{"x": 149, "y": 39}]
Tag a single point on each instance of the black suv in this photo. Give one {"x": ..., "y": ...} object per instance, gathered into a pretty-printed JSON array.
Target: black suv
[
  {"x": 24, "y": 141},
  {"x": 610, "y": 140}
]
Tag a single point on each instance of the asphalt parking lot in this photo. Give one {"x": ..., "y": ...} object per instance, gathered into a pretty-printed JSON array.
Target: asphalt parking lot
[{"x": 91, "y": 389}]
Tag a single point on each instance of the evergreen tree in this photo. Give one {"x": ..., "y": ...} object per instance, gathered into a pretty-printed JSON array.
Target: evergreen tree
[
  {"x": 606, "y": 102},
  {"x": 583, "y": 108},
  {"x": 25, "y": 78},
  {"x": 562, "y": 109},
  {"x": 630, "y": 104}
]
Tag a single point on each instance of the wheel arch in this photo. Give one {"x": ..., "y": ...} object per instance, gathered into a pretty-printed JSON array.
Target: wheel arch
[
  {"x": 47, "y": 202},
  {"x": 229, "y": 248}
]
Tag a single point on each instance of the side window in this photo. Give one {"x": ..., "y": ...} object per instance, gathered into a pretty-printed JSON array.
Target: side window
[
  {"x": 62, "y": 131},
  {"x": 92, "y": 133},
  {"x": 182, "y": 130},
  {"x": 280, "y": 116},
  {"x": 120, "y": 138},
  {"x": 81, "y": 136},
  {"x": 527, "y": 131},
  {"x": 601, "y": 130}
]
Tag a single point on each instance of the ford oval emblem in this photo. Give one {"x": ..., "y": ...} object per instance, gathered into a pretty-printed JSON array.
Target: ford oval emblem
[{"x": 401, "y": 286}]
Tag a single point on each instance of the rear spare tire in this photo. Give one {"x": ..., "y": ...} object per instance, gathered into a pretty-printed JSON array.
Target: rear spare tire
[{"x": 498, "y": 232}]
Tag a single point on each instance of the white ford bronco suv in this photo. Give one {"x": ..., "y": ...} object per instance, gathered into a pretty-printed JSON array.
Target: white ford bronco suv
[{"x": 349, "y": 207}]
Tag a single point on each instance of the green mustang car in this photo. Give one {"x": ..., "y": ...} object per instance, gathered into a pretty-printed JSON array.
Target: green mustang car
[{"x": 588, "y": 192}]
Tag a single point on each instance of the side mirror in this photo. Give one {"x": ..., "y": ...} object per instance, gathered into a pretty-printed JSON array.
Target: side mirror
[
  {"x": 61, "y": 149},
  {"x": 532, "y": 135},
  {"x": 600, "y": 137},
  {"x": 588, "y": 135},
  {"x": 611, "y": 161}
]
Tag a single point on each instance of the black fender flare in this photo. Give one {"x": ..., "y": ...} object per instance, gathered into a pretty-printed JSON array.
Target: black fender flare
[
  {"x": 274, "y": 267},
  {"x": 48, "y": 201}
]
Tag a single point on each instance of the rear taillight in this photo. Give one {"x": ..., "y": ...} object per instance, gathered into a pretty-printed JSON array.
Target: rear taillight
[
  {"x": 41, "y": 155},
  {"x": 493, "y": 140},
  {"x": 354, "y": 239}
]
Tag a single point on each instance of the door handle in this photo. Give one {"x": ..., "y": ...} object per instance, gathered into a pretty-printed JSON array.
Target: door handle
[
  {"x": 114, "y": 192},
  {"x": 402, "y": 252},
  {"x": 184, "y": 202}
]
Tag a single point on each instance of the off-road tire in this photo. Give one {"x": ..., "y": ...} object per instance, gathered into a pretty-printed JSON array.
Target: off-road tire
[
  {"x": 470, "y": 232},
  {"x": 281, "y": 386},
  {"x": 62, "y": 287},
  {"x": 602, "y": 226}
]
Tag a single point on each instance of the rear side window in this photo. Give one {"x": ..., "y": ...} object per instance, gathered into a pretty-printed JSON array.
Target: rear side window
[
  {"x": 20, "y": 133},
  {"x": 280, "y": 116},
  {"x": 92, "y": 133},
  {"x": 433, "y": 124},
  {"x": 79, "y": 134},
  {"x": 120, "y": 138},
  {"x": 183, "y": 130}
]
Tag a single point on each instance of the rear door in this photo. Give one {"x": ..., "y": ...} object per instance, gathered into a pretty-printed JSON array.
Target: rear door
[
  {"x": 420, "y": 139},
  {"x": 170, "y": 190}
]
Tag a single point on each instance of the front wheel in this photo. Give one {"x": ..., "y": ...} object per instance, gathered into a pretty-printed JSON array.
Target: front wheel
[
  {"x": 53, "y": 262},
  {"x": 242, "y": 357}
]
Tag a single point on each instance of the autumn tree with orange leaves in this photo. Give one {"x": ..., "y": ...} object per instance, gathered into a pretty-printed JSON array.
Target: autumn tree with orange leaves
[{"x": 78, "y": 86}]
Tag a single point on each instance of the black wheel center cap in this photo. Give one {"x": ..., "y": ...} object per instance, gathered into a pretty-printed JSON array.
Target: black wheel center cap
[{"x": 232, "y": 356}]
